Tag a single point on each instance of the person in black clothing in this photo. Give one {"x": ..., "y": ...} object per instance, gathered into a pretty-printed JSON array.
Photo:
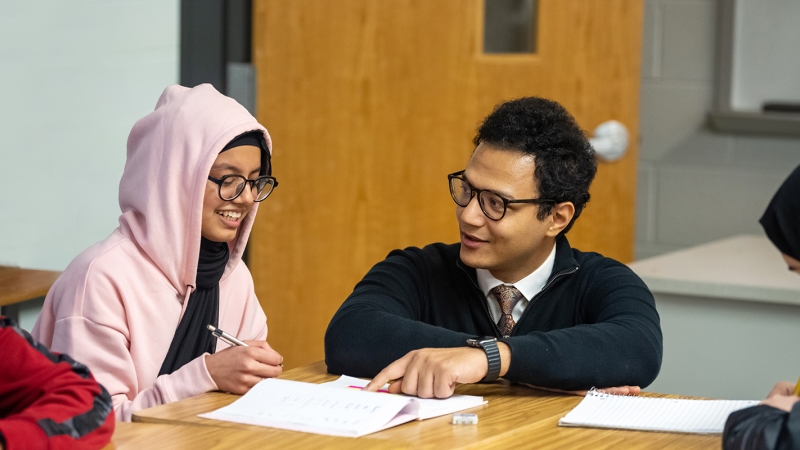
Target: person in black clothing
[
  {"x": 775, "y": 423},
  {"x": 512, "y": 299}
]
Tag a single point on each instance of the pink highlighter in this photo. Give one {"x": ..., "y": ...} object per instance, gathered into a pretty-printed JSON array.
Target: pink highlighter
[{"x": 361, "y": 389}]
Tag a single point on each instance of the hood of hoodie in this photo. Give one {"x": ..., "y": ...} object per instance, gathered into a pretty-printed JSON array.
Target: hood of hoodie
[{"x": 170, "y": 154}]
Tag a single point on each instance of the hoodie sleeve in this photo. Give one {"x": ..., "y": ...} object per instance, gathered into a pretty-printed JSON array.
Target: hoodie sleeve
[
  {"x": 48, "y": 400},
  {"x": 108, "y": 353},
  {"x": 242, "y": 309}
]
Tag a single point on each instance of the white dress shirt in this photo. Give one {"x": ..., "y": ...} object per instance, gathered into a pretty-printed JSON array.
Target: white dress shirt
[{"x": 528, "y": 286}]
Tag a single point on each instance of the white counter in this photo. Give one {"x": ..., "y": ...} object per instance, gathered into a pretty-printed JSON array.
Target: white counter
[
  {"x": 746, "y": 267},
  {"x": 730, "y": 315}
]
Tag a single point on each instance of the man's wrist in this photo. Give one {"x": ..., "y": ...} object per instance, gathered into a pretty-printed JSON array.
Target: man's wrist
[{"x": 493, "y": 363}]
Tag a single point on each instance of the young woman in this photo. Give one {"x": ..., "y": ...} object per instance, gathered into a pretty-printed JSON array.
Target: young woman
[
  {"x": 775, "y": 423},
  {"x": 134, "y": 307}
]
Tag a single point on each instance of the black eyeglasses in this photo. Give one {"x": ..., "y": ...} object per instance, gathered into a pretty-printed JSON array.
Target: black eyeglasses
[
  {"x": 493, "y": 205},
  {"x": 231, "y": 186}
]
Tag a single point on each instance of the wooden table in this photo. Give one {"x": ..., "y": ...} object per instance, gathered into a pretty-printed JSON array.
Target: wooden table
[
  {"x": 18, "y": 285},
  {"x": 136, "y": 436},
  {"x": 515, "y": 416}
]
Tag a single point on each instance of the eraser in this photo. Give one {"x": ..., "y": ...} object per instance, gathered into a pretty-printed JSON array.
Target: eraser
[{"x": 465, "y": 419}]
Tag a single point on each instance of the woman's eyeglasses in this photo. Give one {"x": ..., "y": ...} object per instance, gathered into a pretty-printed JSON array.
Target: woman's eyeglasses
[{"x": 231, "y": 186}]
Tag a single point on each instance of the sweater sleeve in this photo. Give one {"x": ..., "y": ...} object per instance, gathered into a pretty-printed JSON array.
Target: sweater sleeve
[
  {"x": 762, "y": 427},
  {"x": 381, "y": 321},
  {"x": 617, "y": 340},
  {"x": 48, "y": 400},
  {"x": 107, "y": 352}
]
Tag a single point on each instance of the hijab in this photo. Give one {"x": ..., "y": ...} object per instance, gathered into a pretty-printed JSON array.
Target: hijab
[
  {"x": 781, "y": 220},
  {"x": 192, "y": 338}
]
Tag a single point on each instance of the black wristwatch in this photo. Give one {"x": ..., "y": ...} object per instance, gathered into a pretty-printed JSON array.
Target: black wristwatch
[{"x": 489, "y": 345}]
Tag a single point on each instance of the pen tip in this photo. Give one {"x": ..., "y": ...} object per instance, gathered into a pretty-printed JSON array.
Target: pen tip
[{"x": 211, "y": 327}]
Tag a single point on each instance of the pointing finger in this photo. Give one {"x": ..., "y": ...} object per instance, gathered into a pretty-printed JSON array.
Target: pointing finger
[{"x": 393, "y": 371}]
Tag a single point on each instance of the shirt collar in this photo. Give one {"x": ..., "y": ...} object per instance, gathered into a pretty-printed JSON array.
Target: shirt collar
[{"x": 528, "y": 286}]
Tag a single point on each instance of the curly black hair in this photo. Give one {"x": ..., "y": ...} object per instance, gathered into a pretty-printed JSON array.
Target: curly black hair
[{"x": 565, "y": 161}]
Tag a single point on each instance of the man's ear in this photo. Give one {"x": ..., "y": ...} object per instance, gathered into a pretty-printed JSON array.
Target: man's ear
[{"x": 561, "y": 214}]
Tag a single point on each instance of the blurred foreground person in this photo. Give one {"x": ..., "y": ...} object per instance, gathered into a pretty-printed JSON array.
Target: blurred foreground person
[
  {"x": 775, "y": 423},
  {"x": 48, "y": 401}
]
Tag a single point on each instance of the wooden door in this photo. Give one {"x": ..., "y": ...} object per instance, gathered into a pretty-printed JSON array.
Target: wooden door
[{"x": 371, "y": 103}]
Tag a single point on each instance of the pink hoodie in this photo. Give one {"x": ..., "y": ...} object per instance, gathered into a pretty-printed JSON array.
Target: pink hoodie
[{"x": 117, "y": 305}]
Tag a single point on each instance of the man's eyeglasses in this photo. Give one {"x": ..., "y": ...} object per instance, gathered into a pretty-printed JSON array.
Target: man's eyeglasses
[
  {"x": 231, "y": 186},
  {"x": 493, "y": 206}
]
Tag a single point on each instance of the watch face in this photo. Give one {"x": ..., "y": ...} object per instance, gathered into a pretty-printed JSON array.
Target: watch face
[{"x": 479, "y": 341}]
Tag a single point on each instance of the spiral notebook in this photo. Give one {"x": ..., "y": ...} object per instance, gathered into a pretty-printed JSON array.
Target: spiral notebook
[{"x": 676, "y": 415}]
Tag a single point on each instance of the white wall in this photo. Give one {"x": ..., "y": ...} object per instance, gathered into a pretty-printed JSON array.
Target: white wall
[{"x": 74, "y": 77}]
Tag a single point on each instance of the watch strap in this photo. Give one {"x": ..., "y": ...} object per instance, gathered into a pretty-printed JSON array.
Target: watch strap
[
  {"x": 493, "y": 358},
  {"x": 489, "y": 346}
]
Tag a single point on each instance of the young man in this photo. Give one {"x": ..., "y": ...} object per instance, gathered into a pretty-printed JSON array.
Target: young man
[{"x": 512, "y": 299}]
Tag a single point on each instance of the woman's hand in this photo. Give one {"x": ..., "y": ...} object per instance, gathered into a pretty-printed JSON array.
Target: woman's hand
[
  {"x": 781, "y": 396},
  {"x": 237, "y": 369}
]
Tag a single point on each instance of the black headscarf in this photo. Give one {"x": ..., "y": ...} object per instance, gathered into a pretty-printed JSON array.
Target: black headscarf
[
  {"x": 781, "y": 220},
  {"x": 256, "y": 139},
  {"x": 192, "y": 338}
]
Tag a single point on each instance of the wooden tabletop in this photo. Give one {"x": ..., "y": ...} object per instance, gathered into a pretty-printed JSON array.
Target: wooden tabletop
[
  {"x": 18, "y": 285},
  {"x": 514, "y": 416},
  {"x": 136, "y": 436}
]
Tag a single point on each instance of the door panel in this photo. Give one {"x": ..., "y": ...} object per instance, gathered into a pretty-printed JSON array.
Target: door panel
[{"x": 371, "y": 103}]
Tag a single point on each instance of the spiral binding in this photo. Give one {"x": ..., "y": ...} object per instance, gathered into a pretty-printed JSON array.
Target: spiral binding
[{"x": 594, "y": 392}]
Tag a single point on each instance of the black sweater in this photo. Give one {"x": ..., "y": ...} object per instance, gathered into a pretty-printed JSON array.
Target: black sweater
[
  {"x": 762, "y": 427},
  {"x": 593, "y": 324}
]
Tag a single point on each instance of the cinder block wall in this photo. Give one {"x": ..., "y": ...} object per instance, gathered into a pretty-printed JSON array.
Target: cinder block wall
[{"x": 695, "y": 185}]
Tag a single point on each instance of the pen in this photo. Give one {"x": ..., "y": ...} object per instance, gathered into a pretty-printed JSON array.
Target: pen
[
  {"x": 227, "y": 338},
  {"x": 797, "y": 388}
]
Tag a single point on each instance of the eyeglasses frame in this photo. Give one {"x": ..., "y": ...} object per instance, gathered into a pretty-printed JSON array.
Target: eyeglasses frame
[
  {"x": 475, "y": 192},
  {"x": 252, "y": 183}
]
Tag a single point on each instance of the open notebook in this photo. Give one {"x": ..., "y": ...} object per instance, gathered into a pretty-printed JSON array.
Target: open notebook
[
  {"x": 335, "y": 408},
  {"x": 601, "y": 410}
]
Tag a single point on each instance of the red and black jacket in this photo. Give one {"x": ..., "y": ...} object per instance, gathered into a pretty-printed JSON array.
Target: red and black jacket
[{"x": 48, "y": 400}]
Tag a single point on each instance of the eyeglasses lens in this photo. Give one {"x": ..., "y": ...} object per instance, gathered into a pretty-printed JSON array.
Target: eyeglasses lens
[
  {"x": 460, "y": 191},
  {"x": 231, "y": 187},
  {"x": 262, "y": 188},
  {"x": 491, "y": 204}
]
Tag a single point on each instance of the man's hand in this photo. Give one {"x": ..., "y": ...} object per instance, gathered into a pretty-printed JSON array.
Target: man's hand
[
  {"x": 237, "y": 369},
  {"x": 433, "y": 372},
  {"x": 781, "y": 397},
  {"x": 617, "y": 390}
]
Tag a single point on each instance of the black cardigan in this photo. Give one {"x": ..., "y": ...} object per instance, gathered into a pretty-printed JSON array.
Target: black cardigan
[{"x": 593, "y": 324}]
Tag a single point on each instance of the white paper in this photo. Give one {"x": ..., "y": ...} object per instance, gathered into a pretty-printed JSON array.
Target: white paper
[
  {"x": 428, "y": 407},
  {"x": 315, "y": 408},
  {"x": 653, "y": 414}
]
